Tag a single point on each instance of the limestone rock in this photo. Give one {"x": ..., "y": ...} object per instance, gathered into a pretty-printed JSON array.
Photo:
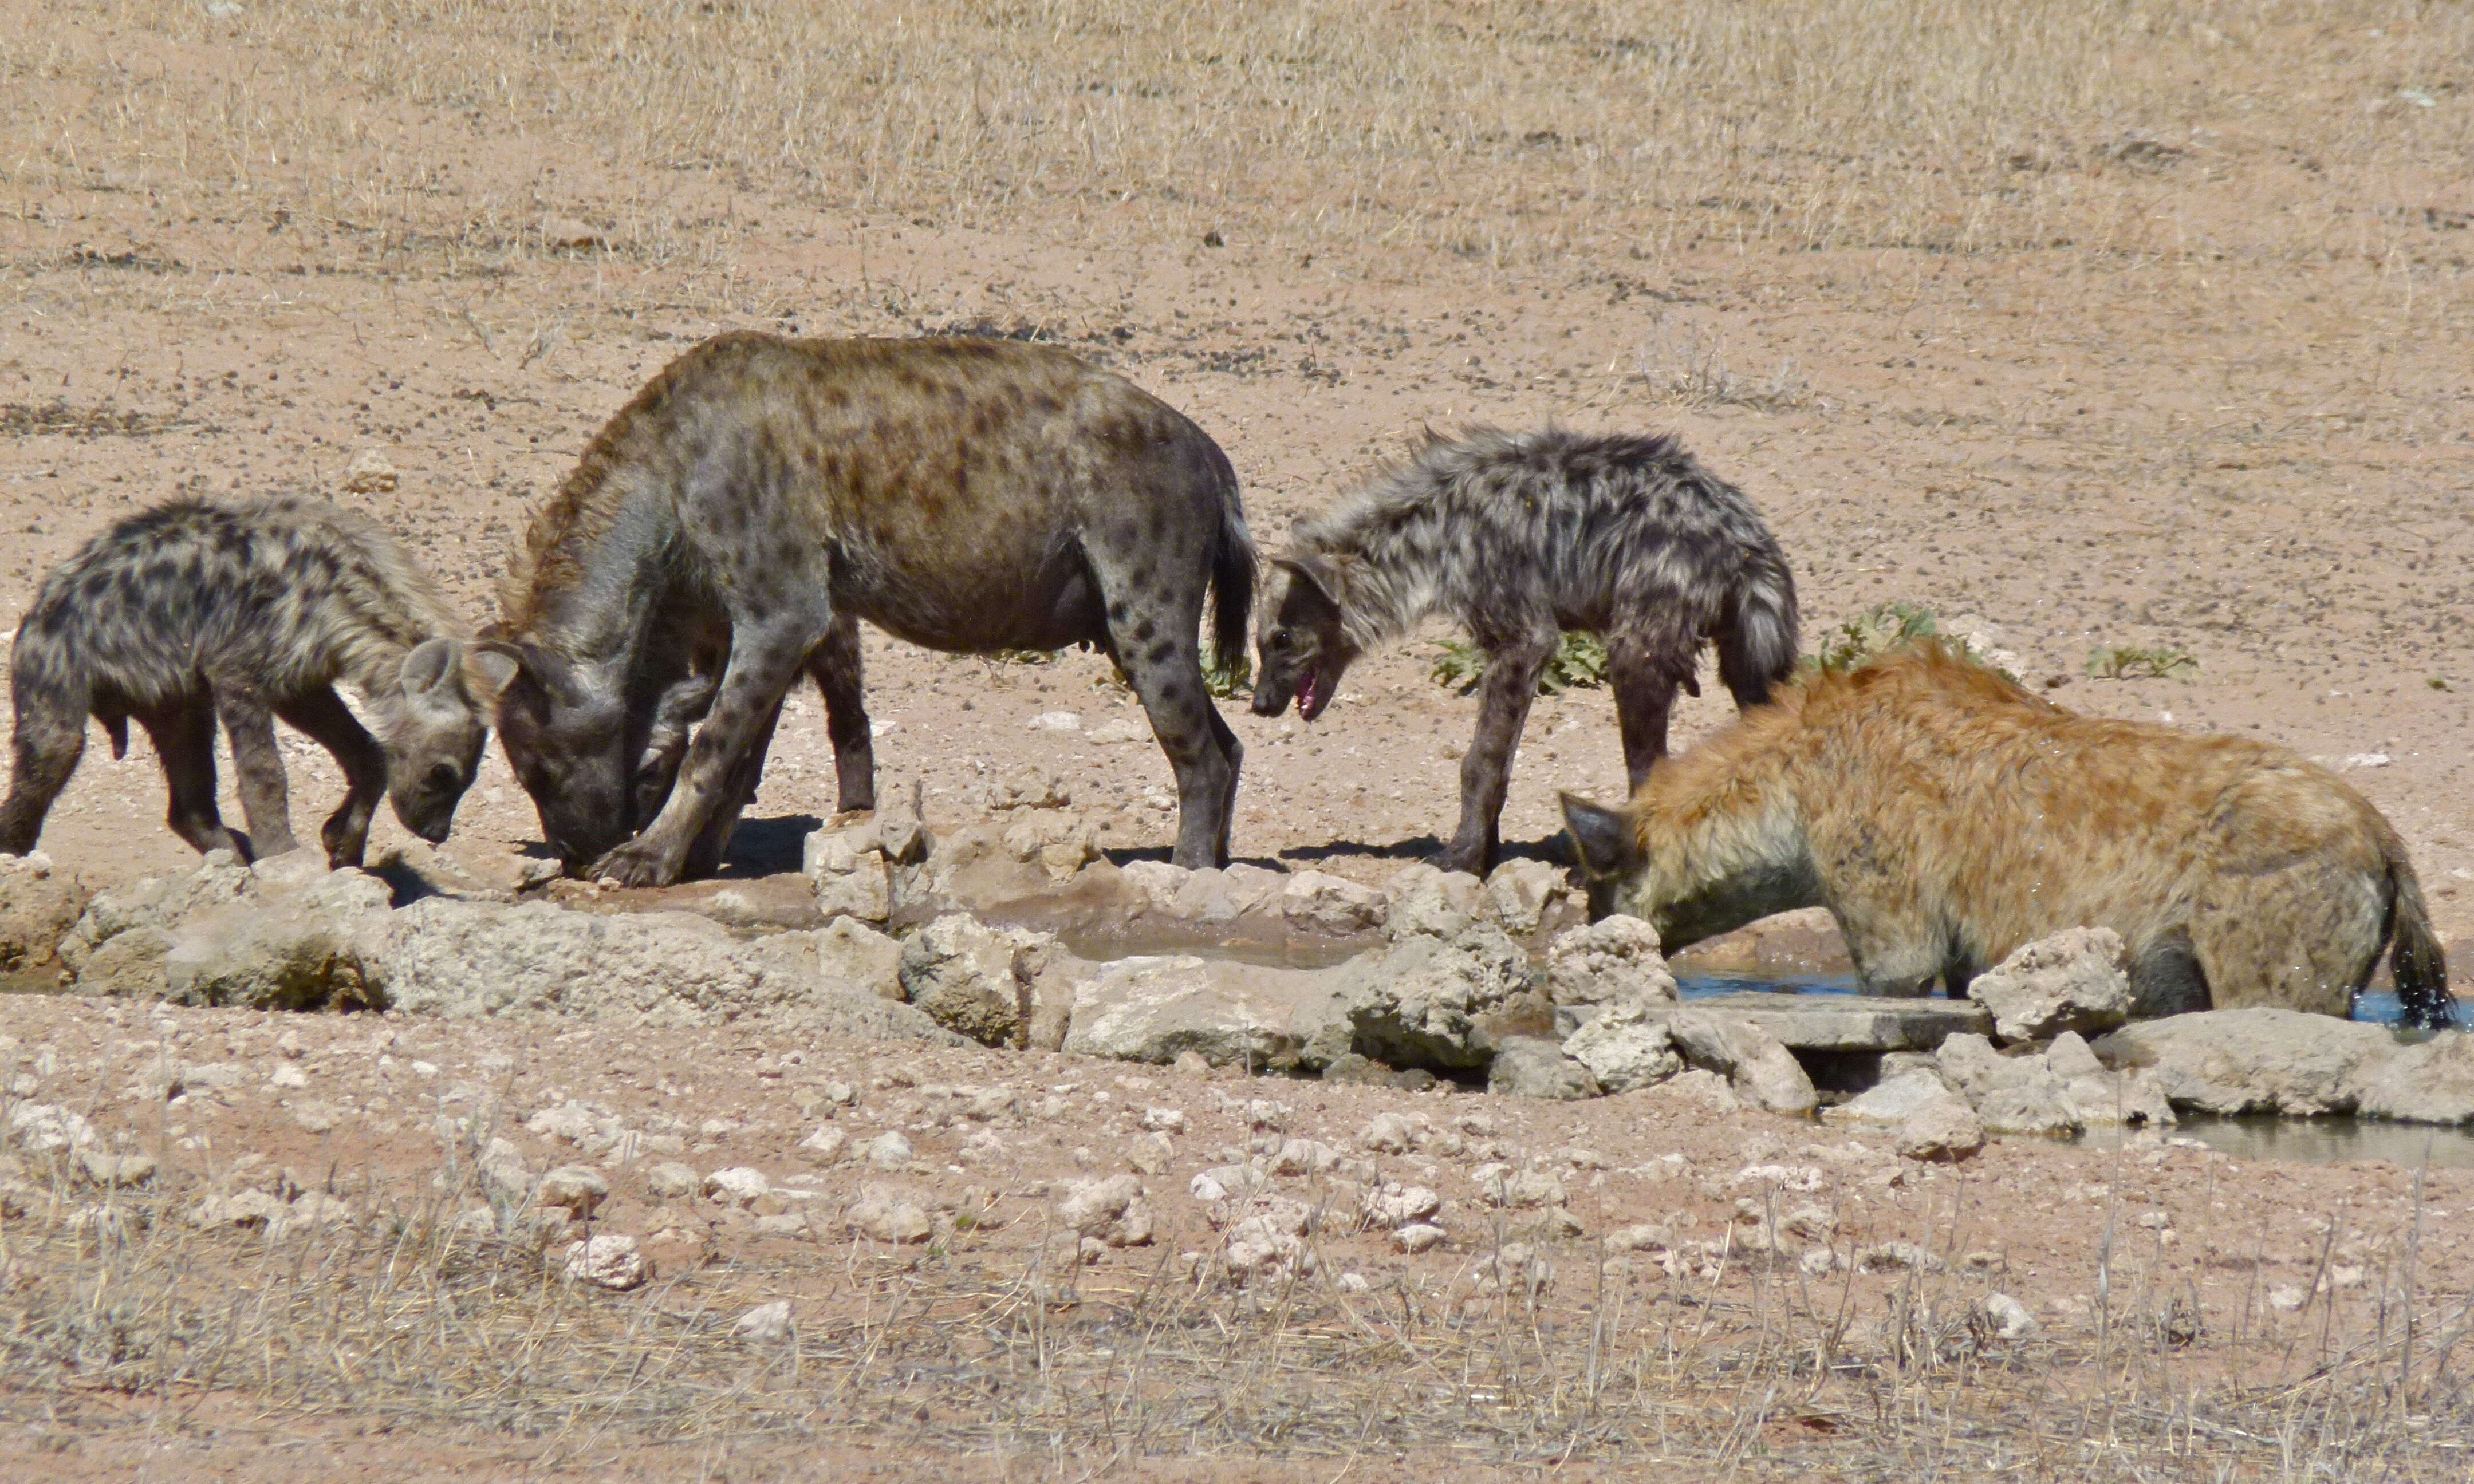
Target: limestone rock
[
  {"x": 1058, "y": 841},
  {"x": 299, "y": 951},
  {"x": 1220, "y": 896},
  {"x": 2072, "y": 980},
  {"x": 1317, "y": 901},
  {"x": 1613, "y": 961},
  {"x": 970, "y": 977},
  {"x": 1231, "y": 1014},
  {"x": 1535, "y": 1066},
  {"x": 1624, "y": 1049},
  {"x": 2257, "y": 1060},
  {"x": 1431, "y": 902},
  {"x": 574, "y": 1188},
  {"x": 852, "y": 956},
  {"x": 1519, "y": 892},
  {"x": 764, "y": 1324},
  {"x": 886, "y": 1215},
  {"x": 2429, "y": 1083},
  {"x": 39, "y": 903},
  {"x": 1110, "y": 1209},
  {"x": 850, "y": 875},
  {"x": 1942, "y": 1132},
  {"x": 1422, "y": 1002},
  {"x": 609, "y": 1261},
  {"x": 1760, "y": 1069},
  {"x": 901, "y": 828},
  {"x": 1893, "y": 1101}
]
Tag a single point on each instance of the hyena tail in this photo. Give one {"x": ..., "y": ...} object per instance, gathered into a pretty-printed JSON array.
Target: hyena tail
[
  {"x": 2415, "y": 959},
  {"x": 1233, "y": 582},
  {"x": 1757, "y": 635}
]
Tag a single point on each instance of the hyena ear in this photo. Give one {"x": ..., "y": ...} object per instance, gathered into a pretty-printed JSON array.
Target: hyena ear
[
  {"x": 490, "y": 668},
  {"x": 1311, "y": 576},
  {"x": 430, "y": 665},
  {"x": 1604, "y": 838}
]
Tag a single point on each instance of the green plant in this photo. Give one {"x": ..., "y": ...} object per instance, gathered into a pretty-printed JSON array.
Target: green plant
[
  {"x": 2141, "y": 663},
  {"x": 1873, "y": 633},
  {"x": 1230, "y": 681},
  {"x": 1579, "y": 664}
]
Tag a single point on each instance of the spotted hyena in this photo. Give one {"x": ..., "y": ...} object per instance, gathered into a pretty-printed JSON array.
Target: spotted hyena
[
  {"x": 249, "y": 612},
  {"x": 1946, "y": 817},
  {"x": 1517, "y": 538},
  {"x": 728, "y": 529}
]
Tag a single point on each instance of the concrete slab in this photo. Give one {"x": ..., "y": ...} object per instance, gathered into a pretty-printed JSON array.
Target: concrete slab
[{"x": 1841, "y": 1023}]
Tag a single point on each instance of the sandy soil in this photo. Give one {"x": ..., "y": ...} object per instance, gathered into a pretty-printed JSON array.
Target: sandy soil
[{"x": 2200, "y": 386}]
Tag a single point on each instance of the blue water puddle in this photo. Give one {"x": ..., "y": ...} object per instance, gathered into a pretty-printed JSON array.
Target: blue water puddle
[{"x": 2379, "y": 1007}]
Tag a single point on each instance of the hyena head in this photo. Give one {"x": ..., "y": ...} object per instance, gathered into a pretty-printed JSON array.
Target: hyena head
[
  {"x": 1691, "y": 881},
  {"x": 436, "y": 727},
  {"x": 1300, "y": 645},
  {"x": 564, "y": 725}
]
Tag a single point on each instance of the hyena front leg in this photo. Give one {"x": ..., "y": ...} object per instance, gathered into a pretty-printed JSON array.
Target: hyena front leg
[
  {"x": 184, "y": 734},
  {"x": 322, "y": 716},
  {"x": 51, "y": 738},
  {"x": 257, "y": 766},
  {"x": 765, "y": 655},
  {"x": 1512, "y": 666},
  {"x": 1895, "y": 951},
  {"x": 713, "y": 845},
  {"x": 838, "y": 672}
]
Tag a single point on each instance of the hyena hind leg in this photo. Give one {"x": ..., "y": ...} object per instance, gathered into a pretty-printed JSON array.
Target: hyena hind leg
[
  {"x": 50, "y": 740},
  {"x": 1166, "y": 674},
  {"x": 184, "y": 732},
  {"x": 322, "y": 716},
  {"x": 257, "y": 766},
  {"x": 839, "y": 674},
  {"x": 1645, "y": 673},
  {"x": 2165, "y": 979}
]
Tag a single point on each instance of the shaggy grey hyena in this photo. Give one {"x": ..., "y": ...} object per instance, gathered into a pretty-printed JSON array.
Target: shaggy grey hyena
[
  {"x": 249, "y": 612},
  {"x": 728, "y": 529},
  {"x": 1519, "y": 537}
]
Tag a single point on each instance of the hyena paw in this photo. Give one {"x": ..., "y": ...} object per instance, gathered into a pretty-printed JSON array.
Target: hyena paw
[{"x": 637, "y": 864}]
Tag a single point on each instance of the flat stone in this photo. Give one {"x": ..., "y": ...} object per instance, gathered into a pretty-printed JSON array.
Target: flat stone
[{"x": 1837, "y": 1022}]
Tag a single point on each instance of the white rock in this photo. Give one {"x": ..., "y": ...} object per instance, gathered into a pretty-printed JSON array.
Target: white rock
[
  {"x": 1623, "y": 1048},
  {"x": 2011, "y": 1319},
  {"x": 1392, "y": 1205},
  {"x": 970, "y": 977},
  {"x": 1416, "y": 1238},
  {"x": 1156, "y": 1009},
  {"x": 764, "y": 1324},
  {"x": 1517, "y": 892},
  {"x": 1760, "y": 1069},
  {"x": 1430, "y": 902},
  {"x": 738, "y": 1186},
  {"x": 2072, "y": 980},
  {"x": 1317, "y": 901},
  {"x": 884, "y": 1213},
  {"x": 1056, "y": 720},
  {"x": 1615, "y": 960},
  {"x": 1420, "y": 1004},
  {"x": 1110, "y": 1209},
  {"x": 824, "y": 1145},
  {"x": 609, "y": 1261},
  {"x": 1109, "y": 734},
  {"x": 574, "y": 1188},
  {"x": 887, "y": 1151},
  {"x": 671, "y": 1180},
  {"x": 2255, "y": 1061}
]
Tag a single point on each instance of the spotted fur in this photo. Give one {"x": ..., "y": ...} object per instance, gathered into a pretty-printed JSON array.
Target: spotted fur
[
  {"x": 248, "y": 612},
  {"x": 1947, "y": 818},
  {"x": 1517, "y": 538},
  {"x": 731, "y": 526}
]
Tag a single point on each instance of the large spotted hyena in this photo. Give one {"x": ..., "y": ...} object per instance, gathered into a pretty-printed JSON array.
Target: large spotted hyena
[
  {"x": 728, "y": 529},
  {"x": 1946, "y": 818},
  {"x": 249, "y": 612}
]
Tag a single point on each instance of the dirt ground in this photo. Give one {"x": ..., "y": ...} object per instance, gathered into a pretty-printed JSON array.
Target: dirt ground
[{"x": 2141, "y": 330}]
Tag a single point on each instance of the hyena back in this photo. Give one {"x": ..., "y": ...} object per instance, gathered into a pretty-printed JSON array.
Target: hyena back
[
  {"x": 1520, "y": 538},
  {"x": 249, "y": 612},
  {"x": 728, "y": 529},
  {"x": 1946, "y": 818}
]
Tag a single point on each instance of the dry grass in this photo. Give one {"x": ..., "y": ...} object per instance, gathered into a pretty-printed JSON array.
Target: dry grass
[
  {"x": 120, "y": 1315},
  {"x": 1513, "y": 133}
]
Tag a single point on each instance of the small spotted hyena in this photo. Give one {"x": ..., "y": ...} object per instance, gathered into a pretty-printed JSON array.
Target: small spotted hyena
[
  {"x": 251, "y": 610},
  {"x": 728, "y": 529}
]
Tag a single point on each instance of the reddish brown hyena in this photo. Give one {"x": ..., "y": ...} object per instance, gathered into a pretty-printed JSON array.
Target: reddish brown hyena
[{"x": 1946, "y": 817}]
